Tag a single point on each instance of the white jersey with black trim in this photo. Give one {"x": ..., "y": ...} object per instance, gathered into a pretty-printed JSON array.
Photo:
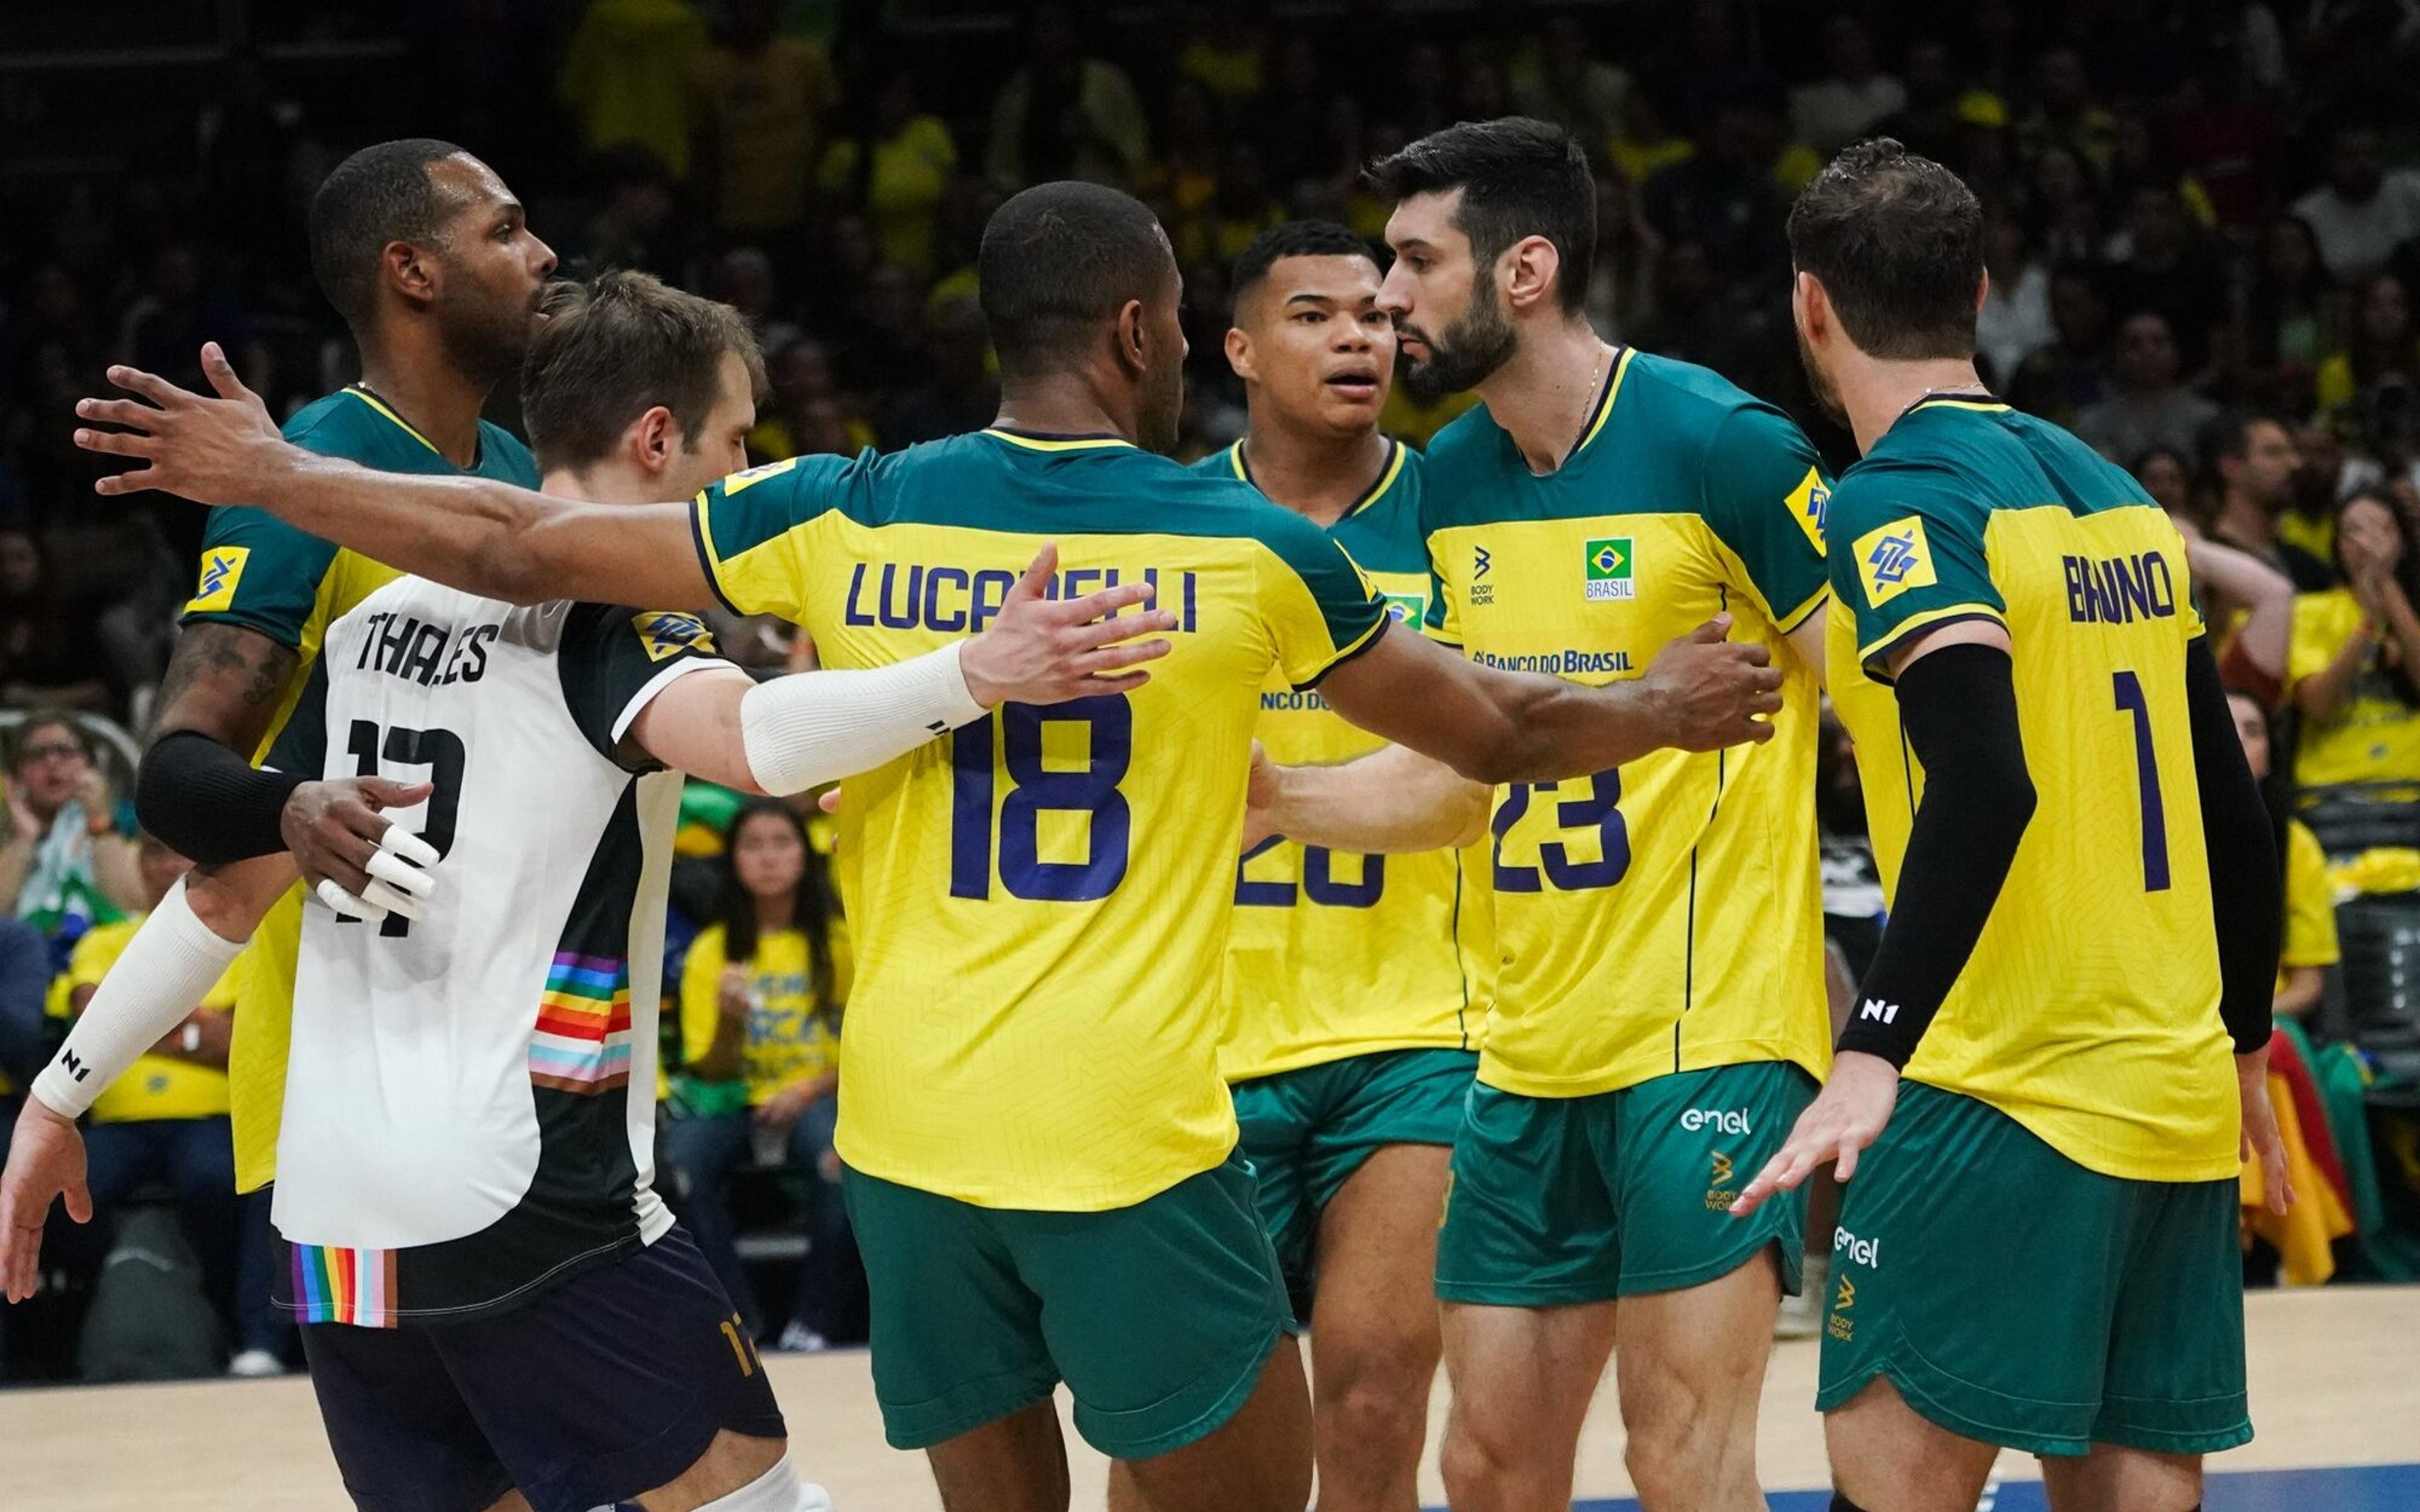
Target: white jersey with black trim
[{"x": 469, "y": 1108}]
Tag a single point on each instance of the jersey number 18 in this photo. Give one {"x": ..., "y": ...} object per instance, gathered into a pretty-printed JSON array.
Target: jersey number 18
[{"x": 1034, "y": 789}]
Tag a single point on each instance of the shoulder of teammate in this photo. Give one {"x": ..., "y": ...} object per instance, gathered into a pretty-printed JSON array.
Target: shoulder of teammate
[
  {"x": 1765, "y": 496},
  {"x": 612, "y": 659},
  {"x": 1320, "y": 607},
  {"x": 751, "y": 528},
  {"x": 1905, "y": 552},
  {"x": 1221, "y": 463},
  {"x": 506, "y": 455}
]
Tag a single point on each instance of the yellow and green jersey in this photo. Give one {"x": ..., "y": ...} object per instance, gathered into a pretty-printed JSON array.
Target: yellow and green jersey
[
  {"x": 262, "y": 573},
  {"x": 155, "y": 1087},
  {"x": 1040, "y": 900},
  {"x": 2310, "y": 905},
  {"x": 2088, "y": 1012},
  {"x": 1334, "y": 955},
  {"x": 1665, "y": 916}
]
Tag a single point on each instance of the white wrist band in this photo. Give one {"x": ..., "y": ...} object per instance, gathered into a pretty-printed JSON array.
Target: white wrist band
[
  {"x": 802, "y": 730},
  {"x": 171, "y": 964}
]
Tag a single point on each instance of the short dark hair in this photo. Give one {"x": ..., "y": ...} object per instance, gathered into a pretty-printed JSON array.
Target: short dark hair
[
  {"x": 380, "y": 195},
  {"x": 2229, "y": 435},
  {"x": 1292, "y": 239},
  {"x": 1519, "y": 177},
  {"x": 614, "y": 348},
  {"x": 1057, "y": 261},
  {"x": 1897, "y": 241}
]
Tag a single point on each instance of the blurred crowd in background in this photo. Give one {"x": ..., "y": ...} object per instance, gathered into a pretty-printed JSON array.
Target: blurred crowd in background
[{"x": 2204, "y": 251}]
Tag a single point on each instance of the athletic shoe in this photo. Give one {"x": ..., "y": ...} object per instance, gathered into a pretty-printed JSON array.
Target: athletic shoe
[
  {"x": 797, "y": 1338},
  {"x": 251, "y": 1365}
]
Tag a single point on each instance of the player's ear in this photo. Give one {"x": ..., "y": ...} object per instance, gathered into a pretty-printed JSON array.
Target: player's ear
[
  {"x": 1239, "y": 354},
  {"x": 409, "y": 272},
  {"x": 1134, "y": 341},
  {"x": 1528, "y": 271},
  {"x": 654, "y": 439},
  {"x": 1809, "y": 306},
  {"x": 1982, "y": 290}
]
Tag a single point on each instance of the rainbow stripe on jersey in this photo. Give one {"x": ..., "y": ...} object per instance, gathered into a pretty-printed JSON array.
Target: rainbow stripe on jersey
[
  {"x": 333, "y": 1285},
  {"x": 583, "y": 1040}
]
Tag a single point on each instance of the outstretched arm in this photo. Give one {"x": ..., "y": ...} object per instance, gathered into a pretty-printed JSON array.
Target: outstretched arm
[
  {"x": 484, "y": 537},
  {"x": 1701, "y": 693},
  {"x": 1390, "y": 802},
  {"x": 811, "y": 728}
]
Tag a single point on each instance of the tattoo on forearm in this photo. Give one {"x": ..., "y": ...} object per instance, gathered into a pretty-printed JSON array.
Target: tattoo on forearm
[{"x": 224, "y": 681}]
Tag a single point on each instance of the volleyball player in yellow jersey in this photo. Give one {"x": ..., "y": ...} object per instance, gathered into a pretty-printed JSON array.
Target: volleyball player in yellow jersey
[
  {"x": 1038, "y": 1140},
  {"x": 1659, "y": 1013},
  {"x": 2038, "y": 1250},
  {"x": 1356, "y": 986}
]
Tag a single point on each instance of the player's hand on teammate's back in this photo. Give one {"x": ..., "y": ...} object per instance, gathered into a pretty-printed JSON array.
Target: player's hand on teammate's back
[
  {"x": 1261, "y": 795},
  {"x": 1846, "y": 1116},
  {"x": 357, "y": 861},
  {"x": 1712, "y": 689},
  {"x": 1043, "y": 650},
  {"x": 213, "y": 450},
  {"x": 2261, "y": 1140},
  {"x": 45, "y": 1161}
]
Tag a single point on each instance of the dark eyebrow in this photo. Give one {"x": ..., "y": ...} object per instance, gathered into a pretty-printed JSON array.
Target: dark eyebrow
[
  {"x": 1412, "y": 244},
  {"x": 1307, "y": 298}
]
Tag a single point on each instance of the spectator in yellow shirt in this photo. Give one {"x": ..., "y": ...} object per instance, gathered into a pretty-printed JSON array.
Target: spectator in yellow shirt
[
  {"x": 166, "y": 1120},
  {"x": 761, "y": 994},
  {"x": 2310, "y": 943},
  {"x": 625, "y": 76},
  {"x": 759, "y": 104},
  {"x": 894, "y": 167},
  {"x": 2352, "y": 661}
]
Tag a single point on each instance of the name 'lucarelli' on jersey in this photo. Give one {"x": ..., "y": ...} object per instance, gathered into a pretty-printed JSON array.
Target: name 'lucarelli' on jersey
[
  {"x": 417, "y": 651},
  {"x": 2119, "y": 590},
  {"x": 913, "y": 596}
]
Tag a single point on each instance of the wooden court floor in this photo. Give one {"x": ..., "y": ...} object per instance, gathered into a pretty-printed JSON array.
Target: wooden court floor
[{"x": 2335, "y": 1382}]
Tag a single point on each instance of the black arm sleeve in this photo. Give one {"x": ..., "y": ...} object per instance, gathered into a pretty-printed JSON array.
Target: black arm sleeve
[
  {"x": 2247, "y": 885},
  {"x": 205, "y": 802},
  {"x": 1959, "y": 707}
]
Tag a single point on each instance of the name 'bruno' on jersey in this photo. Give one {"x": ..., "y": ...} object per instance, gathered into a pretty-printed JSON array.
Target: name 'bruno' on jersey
[
  {"x": 2088, "y": 1012},
  {"x": 1334, "y": 955},
  {"x": 459, "y": 1127},
  {"x": 1665, "y": 916},
  {"x": 1041, "y": 899}
]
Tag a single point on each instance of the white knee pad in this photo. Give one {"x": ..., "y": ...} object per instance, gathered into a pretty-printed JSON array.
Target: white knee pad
[{"x": 779, "y": 1490}]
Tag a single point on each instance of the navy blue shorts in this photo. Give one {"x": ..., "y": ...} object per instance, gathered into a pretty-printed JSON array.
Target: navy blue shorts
[{"x": 596, "y": 1391}]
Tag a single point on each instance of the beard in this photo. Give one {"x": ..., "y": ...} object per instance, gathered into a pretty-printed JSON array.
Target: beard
[
  {"x": 486, "y": 339},
  {"x": 1827, "y": 393},
  {"x": 1160, "y": 418},
  {"x": 1462, "y": 356}
]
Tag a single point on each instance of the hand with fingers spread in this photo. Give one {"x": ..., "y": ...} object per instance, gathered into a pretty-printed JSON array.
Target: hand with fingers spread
[
  {"x": 1846, "y": 1116},
  {"x": 1042, "y": 650},
  {"x": 1710, "y": 690},
  {"x": 213, "y": 450},
  {"x": 45, "y": 1161},
  {"x": 357, "y": 861}
]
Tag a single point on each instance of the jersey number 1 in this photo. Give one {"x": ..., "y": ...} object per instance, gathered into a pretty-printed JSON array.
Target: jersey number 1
[
  {"x": 441, "y": 753},
  {"x": 2147, "y": 773},
  {"x": 1034, "y": 789}
]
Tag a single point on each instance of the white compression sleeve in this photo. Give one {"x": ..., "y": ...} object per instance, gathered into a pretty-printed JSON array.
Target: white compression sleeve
[
  {"x": 169, "y": 966},
  {"x": 811, "y": 728}
]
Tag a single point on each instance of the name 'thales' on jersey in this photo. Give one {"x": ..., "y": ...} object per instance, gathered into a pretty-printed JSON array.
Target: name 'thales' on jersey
[
  {"x": 459, "y": 1129},
  {"x": 1622, "y": 899},
  {"x": 2088, "y": 1012},
  {"x": 1335, "y": 955},
  {"x": 1041, "y": 899}
]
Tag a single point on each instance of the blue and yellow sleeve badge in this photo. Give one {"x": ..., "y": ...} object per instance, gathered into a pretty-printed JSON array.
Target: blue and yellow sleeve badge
[
  {"x": 1806, "y": 503},
  {"x": 222, "y": 572},
  {"x": 664, "y": 634},
  {"x": 1894, "y": 559}
]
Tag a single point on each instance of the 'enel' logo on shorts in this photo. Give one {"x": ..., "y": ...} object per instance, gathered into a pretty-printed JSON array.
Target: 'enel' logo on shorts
[
  {"x": 1865, "y": 1252},
  {"x": 1723, "y": 1120}
]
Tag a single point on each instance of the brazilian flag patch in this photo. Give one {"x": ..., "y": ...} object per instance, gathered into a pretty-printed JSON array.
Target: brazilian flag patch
[{"x": 1608, "y": 566}]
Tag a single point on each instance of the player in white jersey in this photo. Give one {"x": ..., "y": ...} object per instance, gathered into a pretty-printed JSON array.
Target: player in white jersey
[{"x": 499, "y": 1310}]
